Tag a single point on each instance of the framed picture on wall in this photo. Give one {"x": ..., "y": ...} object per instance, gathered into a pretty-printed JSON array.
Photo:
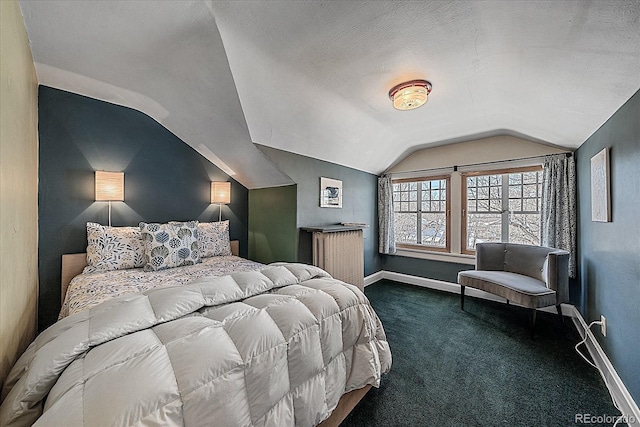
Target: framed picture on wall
[
  {"x": 330, "y": 193},
  {"x": 600, "y": 198}
]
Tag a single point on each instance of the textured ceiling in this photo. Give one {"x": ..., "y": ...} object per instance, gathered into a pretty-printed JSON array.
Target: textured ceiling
[{"x": 312, "y": 77}]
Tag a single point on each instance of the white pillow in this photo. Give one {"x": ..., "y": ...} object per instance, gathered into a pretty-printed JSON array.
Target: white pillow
[
  {"x": 113, "y": 248},
  {"x": 214, "y": 238}
]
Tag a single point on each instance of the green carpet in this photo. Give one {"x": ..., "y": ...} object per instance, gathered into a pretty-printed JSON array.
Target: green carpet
[{"x": 477, "y": 367}]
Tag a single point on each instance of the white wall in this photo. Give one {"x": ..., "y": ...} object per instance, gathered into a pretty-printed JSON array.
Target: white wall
[
  {"x": 18, "y": 188},
  {"x": 497, "y": 148}
]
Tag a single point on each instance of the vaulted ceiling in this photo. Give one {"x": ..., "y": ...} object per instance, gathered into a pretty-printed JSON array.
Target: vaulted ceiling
[{"x": 312, "y": 77}]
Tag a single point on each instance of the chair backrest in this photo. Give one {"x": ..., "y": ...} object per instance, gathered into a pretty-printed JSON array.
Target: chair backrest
[{"x": 527, "y": 260}]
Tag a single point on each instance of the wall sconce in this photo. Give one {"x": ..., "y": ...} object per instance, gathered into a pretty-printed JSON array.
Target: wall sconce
[
  {"x": 109, "y": 187},
  {"x": 220, "y": 193}
]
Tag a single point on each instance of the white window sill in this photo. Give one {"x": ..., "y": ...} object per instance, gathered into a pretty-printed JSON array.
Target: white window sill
[{"x": 437, "y": 256}]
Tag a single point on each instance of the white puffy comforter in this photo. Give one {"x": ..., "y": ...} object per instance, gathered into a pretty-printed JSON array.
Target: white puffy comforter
[{"x": 271, "y": 348}]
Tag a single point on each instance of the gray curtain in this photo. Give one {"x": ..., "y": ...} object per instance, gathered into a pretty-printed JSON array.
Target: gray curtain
[
  {"x": 559, "y": 206},
  {"x": 387, "y": 239}
]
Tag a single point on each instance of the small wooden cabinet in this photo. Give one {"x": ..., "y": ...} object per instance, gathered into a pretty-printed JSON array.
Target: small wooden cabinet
[{"x": 339, "y": 250}]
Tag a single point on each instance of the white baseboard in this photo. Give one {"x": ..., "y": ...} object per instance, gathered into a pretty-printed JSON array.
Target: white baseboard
[
  {"x": 567, "y": 309},
  {"x": 628, "y": 406},
  {"x": 613, "y": 382},
  {"x": 373, "y": 278}
]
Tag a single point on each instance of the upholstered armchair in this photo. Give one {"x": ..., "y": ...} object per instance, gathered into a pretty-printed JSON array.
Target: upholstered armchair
[{"x": 532, "y": 276}]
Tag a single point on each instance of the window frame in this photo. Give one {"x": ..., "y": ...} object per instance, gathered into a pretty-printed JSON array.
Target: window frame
[
  {"x": 465, "y": 175},
  {"x": 422, "y": 247}
]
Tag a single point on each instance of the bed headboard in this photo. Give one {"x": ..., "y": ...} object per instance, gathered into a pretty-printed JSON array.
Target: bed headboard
[{"x": 73, "y": 264}]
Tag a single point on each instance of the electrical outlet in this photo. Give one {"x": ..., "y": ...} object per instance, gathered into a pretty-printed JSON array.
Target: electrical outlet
[{"x": 603, "y": 325}]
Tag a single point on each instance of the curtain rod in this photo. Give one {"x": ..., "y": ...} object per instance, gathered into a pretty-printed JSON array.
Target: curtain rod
[{"x": 455, "y": 167}]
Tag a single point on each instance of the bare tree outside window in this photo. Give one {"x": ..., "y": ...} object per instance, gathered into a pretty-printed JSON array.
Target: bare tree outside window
[
  {"x": 502, "y": 207},
  {"x": 421, "y": 212}
]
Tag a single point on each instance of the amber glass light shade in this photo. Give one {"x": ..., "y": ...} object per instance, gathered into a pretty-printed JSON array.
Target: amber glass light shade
[{"x": 410, "y": 95}]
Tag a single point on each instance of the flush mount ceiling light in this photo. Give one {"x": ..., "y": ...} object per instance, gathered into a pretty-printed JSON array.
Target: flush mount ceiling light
[{"x": 410, "y": 95}]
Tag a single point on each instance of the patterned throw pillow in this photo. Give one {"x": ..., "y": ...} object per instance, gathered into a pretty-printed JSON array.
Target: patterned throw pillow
[
  {"x": 214, "y": 238},
  {"x": 113, "y": 248},
  {"x": 170, "y": 245}
]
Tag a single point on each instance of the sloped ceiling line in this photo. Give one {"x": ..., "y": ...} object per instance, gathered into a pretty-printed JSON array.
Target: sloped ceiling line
[
  {"x": 186, "y": 85},
  {"x": 312, "y": 77}
]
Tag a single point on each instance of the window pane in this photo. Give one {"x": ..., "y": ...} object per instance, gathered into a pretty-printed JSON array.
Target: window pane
[
  {"x": 515, "y": 191},
  {"x": 483, "y": 206},
  {"x": 530, "y": 177},
  {"x": 435, "y": 207},
  {"x": 406, "y": 228},
  {"x": 524, "y": 228},
  {"x": 483, "y": 228},
  {"x": 495, "y": 192},
  {"x": 515, "y": 205},
  {"x": 413, "y": 206},
  {"x": 495, "y": 205},
  {"x": 434, "y": 229},
  {"x": 495, "y": 179},
  {"x": 483, "y": 193},
  {"x": 529, "y": 205},
  {"x": 515, "y": 178},
  {"x": 530, "y": 190}
]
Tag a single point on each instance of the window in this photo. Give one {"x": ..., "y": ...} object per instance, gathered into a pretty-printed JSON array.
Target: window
[
  {"x": 501, "y": 206},
  {"x": 421, "y": 208}
]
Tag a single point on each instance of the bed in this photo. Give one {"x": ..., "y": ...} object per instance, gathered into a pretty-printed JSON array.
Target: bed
[{"x": 284, "y": 344}]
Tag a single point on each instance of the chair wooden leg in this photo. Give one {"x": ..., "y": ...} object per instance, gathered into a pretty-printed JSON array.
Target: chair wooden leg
[
  {"x": 462, "y": 297},
  {"x": 559, "y": 309},
  {"x": 533, "y": 321}
]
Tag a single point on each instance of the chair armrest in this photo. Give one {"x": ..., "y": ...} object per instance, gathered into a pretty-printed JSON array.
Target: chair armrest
[{"x": 558, "y": 274}]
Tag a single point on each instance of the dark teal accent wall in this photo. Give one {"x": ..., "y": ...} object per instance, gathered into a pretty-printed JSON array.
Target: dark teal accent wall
[
  {"x": 273, "y": 235},
  {"x": 609, "y": 253},
  {"x": 359, "y": 202},
  {"x": 165, "y": 179}
]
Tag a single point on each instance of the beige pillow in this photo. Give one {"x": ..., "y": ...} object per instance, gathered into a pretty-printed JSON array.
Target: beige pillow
[{"x": 214, "y": 239}]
